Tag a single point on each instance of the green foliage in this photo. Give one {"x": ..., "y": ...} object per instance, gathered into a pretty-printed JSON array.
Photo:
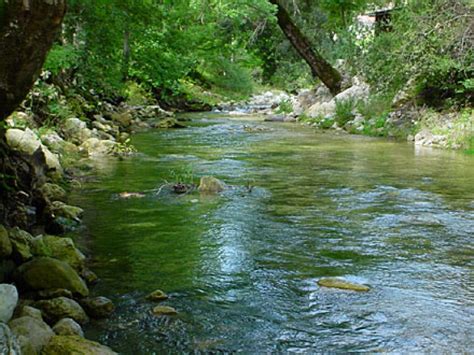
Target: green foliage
[
  {"x": 136, "y": 95},
  {"x": 285, "y": 107},
  {"x": 61, "y": 58},
  {"x": 184, "y": 175},
  {"x": 431, "y": 44},
  {"x": 344, "y": 111}
]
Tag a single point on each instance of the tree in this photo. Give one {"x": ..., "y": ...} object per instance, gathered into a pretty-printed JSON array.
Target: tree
[
  {"x": 27, "y": 31},
  {"x": 320, "y": 68}
]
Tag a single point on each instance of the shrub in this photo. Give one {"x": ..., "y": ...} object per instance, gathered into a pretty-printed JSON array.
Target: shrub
[{"x": 344, "y": 111}]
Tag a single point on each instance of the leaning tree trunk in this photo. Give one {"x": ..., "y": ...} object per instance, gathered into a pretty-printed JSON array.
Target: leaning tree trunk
[
  {"x": 320, "y": 68},
  {"x": 27, "y": 31}
]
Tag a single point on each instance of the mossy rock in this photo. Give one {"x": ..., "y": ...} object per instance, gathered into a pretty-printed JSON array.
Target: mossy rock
[
  {"x": 21, "y": 243},
  {"x": 36, "y": 332},
  {"x": 53, "y": 192},
  {"x": 75, "y": 345},
  {"x": 59, "y": 248},
  {"x": 60, "y": 209},
  {"x": 164, "y": 311},
  {"x": 157, "y": 296},
  {"x": 334, "y": 282},
  {"x": 170, "y": 122},
  {"x": 47, "y": 273},
  {"x": 211, "y": 185},
  {"x": 62, "y": 307},
  {"x": 5, "y": 243}
]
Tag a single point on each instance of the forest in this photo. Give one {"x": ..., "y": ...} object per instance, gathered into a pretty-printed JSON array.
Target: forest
[{"x": 257, "y": 176}]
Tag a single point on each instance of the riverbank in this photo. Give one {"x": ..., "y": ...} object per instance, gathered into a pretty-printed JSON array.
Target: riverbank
[
  {"x": 45, "y": 280},
  {"x": 356, "y": 110}
]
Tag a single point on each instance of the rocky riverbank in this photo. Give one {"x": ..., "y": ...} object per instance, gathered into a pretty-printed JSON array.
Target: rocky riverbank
[
  {"x": 357, "y": 110},
  {"x": 44, "y": 279}
]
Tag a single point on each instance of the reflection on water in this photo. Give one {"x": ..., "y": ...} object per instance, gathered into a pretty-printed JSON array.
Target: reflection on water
[{"x": 241, "y": 268}]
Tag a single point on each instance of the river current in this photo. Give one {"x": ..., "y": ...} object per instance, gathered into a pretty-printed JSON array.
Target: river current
[{"x": 241, "y": 267}]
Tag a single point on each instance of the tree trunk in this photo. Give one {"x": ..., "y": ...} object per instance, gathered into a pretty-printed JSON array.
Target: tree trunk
[
  {"x": 320, "y": 68},
  {"x": 27, "y": 31}
]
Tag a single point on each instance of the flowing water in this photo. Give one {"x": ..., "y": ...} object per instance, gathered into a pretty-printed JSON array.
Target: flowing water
[{"x": 242, "y": 267}]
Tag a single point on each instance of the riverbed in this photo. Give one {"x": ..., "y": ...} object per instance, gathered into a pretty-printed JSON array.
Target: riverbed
[{"x": 241, "y": 267}]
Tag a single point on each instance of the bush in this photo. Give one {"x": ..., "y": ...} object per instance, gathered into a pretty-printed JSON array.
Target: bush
[{"x": 344, "y": 112}]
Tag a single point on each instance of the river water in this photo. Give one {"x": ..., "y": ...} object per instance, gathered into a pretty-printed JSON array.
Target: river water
[{"x": 242, "y": 267}]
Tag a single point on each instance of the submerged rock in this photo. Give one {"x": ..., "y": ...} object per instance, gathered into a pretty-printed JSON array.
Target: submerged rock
[
  {"x": 75, "y": 345},
  {"x": 169, "y": 122},
  {"x": 68, "y": 326},
  {"x": 8, "y": 301},
  {"x": 47, "y": 273},
  {"x": 342, "y": 284},
  {"x": 157, "y": 295},
  {"x": 62, "y": 307},
  {"x": 36, "y": 333},
  {"x": 164, "y": 311},
  {"x": 98, "y": 307},
  {"x": 211, "y": 185}
]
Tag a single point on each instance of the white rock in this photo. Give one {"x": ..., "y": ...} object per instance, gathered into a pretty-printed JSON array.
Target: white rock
[
  {"x": 8, "y": 301},
  {"x": 26, "y": 141}
]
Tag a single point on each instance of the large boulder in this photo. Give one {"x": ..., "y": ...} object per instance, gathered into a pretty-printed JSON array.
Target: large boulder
[
  {"x": 68, "y": 326},
  {"x": 124, "y": 119},
  {"x": 27, "y": 142},
  {"x": 97, "y": 147},
  {"x": 8, "y": 342},
  {"x": 47, "y": 273},
  {"x": 34, "y": 332},
  {"x": 98, "y": 307},
  {"x": 62, "y": 307},
  {"x": 5, "y": 243},
  {"x": 8, "y": 301},
  {"x": 75, "y": 345},
  {"x": 60, "y": 248},
  {"x": 76, "y": 130},
  {"x": 28, "y": 311},
  {"x": 322, "y": 109},
  {"x": 211, "y": 185}
]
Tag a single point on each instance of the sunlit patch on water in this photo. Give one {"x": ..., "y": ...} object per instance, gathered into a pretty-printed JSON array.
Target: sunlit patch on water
[{"x": 241, "y": 267}]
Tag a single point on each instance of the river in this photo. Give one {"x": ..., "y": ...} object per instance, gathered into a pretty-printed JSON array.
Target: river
[{"x": 242, "y": 267}]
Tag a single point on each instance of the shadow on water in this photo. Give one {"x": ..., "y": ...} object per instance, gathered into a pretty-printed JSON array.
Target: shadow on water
[{"x": 241, "y": 268}]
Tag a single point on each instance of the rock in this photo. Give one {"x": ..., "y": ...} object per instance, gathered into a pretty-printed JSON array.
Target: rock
[
  {"x": 36, "y": 332},
  {"x": 53, "y": 192},
  {"x": 211, "y": 185},
  {"x": 76, "y": 130},
  {"x": 53, "y": 141},
  {"x": 335, "y": 282},
  {"x": 60, "y": 248},
  {"x": 8, "y": 301},
  {"x": 89, "y": 276},
  {"x": 98, "y": 307},
  {"x": 68, "y": 326},
  {"x": 75, "y": 345},
  {"x": 21, "y": 244},
  {"x": 26, "y": 142},
  {"x": 58, "y": 308},
  {"x": 54, "y": 293},
  {"x": 5, "y": 243},
  {"x": 322, "y": 109},
  {"x": 60, "y": 209},
  {"x": 169, "y": 122},
  {"x": 157, "y": 295},
  {"x": 275, "y": 118},
  {"x": 97, "y": 147},
  {"x": 122, "y": 118},
  {"x": 47, "y": 273},
  {"x": 8, "y": 342},
  {"x": 28, "y": 311},
  {"x": 359, "y": 91},
  {"x": 164, "y": 311}
]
